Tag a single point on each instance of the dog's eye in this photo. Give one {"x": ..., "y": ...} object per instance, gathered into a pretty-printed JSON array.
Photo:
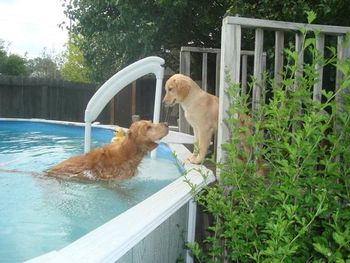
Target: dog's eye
[
  {"x": 170, "y": 89},
  {"x": 149, "y": 127}
]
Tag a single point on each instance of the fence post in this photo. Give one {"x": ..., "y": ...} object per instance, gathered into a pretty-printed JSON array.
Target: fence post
[
  {"x": 217, "y": 73},
  {"x": 299, "y": 41},
  {"x": 318, "y": 86},
  {"x": 258, "y": 69},
  {"x": 343, "y": 52},
  {"x": 185, "y": 68},
  {"x": 230, "y": 68},
  {"x": 205, "y": 71},
  {"x": 244, "y": 74},
  {"x": 44, "y": 102},
  {"x": 279, "y": 46}
]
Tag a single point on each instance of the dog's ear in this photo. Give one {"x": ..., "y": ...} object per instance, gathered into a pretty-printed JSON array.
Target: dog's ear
[
  {"x": 130, "y": 135},
  {"x": 133, "y": 130},
  {"x": 182, "y": 87}
]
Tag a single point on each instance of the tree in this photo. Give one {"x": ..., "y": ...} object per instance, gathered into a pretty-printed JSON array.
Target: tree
[
  {"x": 74, "y": 68},
  {"x": 333, "y": 12},
  {"x": 11, "y": 64},
  {"x": 2, "y": 49},
  {"x": 116, "y": 33},
  {"x": 46, "y": 66},
  {"x": 14, "y": 65}
]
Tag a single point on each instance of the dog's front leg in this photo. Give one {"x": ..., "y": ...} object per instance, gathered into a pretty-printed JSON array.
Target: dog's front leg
[
  {"x": 195, "y": 144},
  {"x": 203, "y": 145}
]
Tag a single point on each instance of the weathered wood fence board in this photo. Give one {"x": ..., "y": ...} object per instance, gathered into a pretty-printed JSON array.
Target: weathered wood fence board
[
  {"x": 318, "y": 86},
  {"x": 62, "y": 100},
  {"x": 43, "y": 98}
]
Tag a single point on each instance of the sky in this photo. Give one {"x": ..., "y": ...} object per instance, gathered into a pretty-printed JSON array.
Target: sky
[{"x": 29, "y": 26}]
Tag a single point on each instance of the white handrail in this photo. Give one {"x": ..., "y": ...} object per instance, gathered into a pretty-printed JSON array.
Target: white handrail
[{"x": 116, "y": 83}]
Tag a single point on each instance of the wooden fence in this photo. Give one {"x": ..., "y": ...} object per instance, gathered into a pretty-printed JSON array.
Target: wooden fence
[
  {"x": 185, "y": 68},
  {"x": 233, "y": 30},
  {"x": 62, "y": 100}
]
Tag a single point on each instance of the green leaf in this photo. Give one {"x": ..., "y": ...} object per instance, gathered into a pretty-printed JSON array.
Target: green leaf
[
  {"x": 339, "y": 238},
  {"x": 322, "y": 249},
  {"x": 311, "y": 16},
  {"x": 308, "y": 42}
]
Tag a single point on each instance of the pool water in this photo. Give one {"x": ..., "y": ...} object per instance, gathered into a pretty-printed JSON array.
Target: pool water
[{"x": 40, "y": 214}]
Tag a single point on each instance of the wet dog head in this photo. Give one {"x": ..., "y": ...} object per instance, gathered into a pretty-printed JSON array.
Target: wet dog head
[
  {"x": 145, "y": 133},
  {"x": 177, "y": 89}
]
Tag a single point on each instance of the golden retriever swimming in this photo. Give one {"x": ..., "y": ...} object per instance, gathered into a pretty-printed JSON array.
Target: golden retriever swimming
[
  {"x": 114, "y": 160},
  {"x": 200, "y": 108}
]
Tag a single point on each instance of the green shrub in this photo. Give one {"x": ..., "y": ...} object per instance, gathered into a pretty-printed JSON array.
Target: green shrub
[{"x": 299, "y": 212}]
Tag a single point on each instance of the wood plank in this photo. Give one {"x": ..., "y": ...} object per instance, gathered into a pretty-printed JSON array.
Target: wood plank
[
  {"x": 299, "y": 40},
  {"x": 133, "y": 98},
  {"x": 339, "y": 75},
  {"x": 283, "y": 26},
  {"x": 217, "y": 87},
  {"x": 263, "y": 81},
  {"x": 258, "y": 69},
  {"x": 279, "y": 48},
  {"x": 317, "y": 96},
  {"x": 212, "y": 50},
  {"x": 205, "y": 71},
  {"x": 230, "y": 67},
  {"x": 244, "y": 73},
  {"x": 343, "y": 52},
  {"x": 185, "y": 63},
  {"x": 200, "y": 49},
  {"x": 44, "y": 102},
  {"x": 185, "y": 68},
  {"x": 112, "y": 111},
  {"x": 217, "y": 74}
]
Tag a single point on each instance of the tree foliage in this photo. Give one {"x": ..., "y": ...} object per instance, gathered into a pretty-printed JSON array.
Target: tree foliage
[
  {"x": 331, "y": 12},
  {"x": 11, "y": 64},
  {"x": 116, "y": 33},
  {"x": 74, "y": 68},
  {"x": 45, "y": 66}
]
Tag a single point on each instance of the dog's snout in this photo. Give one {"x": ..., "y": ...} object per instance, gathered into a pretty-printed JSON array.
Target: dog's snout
[
  {"x": 165, "y": 124},
  {"x": 165, "y": 102}
]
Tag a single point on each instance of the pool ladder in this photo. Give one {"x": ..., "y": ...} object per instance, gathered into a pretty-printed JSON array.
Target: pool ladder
[{"x": 119, "y": 81}]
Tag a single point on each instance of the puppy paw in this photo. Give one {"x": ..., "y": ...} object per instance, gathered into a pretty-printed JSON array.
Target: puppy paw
[{"x": 195, "y": 159}]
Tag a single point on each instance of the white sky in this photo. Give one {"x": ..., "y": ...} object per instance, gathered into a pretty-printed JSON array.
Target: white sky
[{"x": 29, "y": 26}]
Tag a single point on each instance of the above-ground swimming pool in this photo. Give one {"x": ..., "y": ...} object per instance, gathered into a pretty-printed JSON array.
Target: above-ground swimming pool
[{"x": 40, "y": 214}]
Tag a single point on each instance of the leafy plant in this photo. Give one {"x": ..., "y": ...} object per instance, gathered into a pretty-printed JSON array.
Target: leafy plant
[{"x": 300, "y": 211}]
